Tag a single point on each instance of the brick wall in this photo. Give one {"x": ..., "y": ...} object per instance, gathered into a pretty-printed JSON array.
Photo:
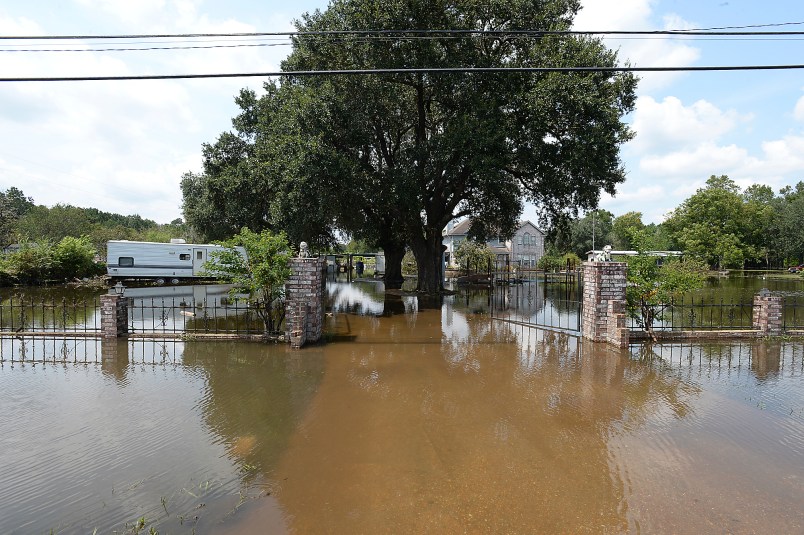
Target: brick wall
[{"x": 304, "y": 300}]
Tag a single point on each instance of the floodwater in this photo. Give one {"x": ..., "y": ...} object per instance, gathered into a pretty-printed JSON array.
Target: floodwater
[{"x": 414, "y": 417}]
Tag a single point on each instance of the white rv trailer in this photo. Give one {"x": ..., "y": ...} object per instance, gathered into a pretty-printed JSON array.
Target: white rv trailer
[{"x": 161, "y": 262}]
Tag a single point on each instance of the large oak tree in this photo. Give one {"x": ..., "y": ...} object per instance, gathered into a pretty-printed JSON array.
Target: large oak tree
[{"x": 397, "y": 156}]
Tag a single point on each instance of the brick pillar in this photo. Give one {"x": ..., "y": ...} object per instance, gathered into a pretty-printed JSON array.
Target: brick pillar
[
  {"x": 768, "y": 313},
  {"x": 604, "y": 302},
  {"x": 304, "y": 300},
  {"x": 114, "y": 316},
  {"x": 617, "y": 332}
]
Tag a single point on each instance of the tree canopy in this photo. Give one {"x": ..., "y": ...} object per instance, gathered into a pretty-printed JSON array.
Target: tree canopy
[
  {"x": 710, "y": 224},
  {"x": 393, "y": 158}
]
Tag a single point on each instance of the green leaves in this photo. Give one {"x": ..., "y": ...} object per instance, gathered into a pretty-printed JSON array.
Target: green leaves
[
  {"x": 722, "y": 227},
  {"x": 39, "y": 262},
  {"x": 471, "y": 253},
  {"x": 393, "y": 158},
  {"x": 261, "y": 272},
  {"x": 653, "y": 282}
]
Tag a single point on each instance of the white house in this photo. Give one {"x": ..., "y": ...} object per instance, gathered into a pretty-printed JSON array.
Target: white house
[
  {"x": 527, "y": 246},
  {"x": 525, "y": 249}
]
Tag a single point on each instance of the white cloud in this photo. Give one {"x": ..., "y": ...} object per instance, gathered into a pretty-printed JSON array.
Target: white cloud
[
  {"x": 19, "y": 26},
  {"x": 120, "y": 146},
  {"x": 669, "y": 125},
  {"x": 798, "y": 111},
  {"x": 650, "y": 51},
  {"x": 131, "y": 12}
]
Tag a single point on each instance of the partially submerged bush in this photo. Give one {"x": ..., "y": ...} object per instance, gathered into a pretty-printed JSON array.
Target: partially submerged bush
[{"x": 40, "y": 262}]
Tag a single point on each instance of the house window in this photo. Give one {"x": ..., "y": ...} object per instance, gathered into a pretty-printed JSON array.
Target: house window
[
  {"x": 184, "y": 256},
  {"x": 519, "y": 240},
  {"x": 125, "y": 261},
  {"x": 526, "y": 239}
]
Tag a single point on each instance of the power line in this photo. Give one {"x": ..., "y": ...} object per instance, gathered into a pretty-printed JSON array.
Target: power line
[
  {"x": 412, "y": 32},
  {"x": 363, "y": 39},
  {"x": 770, "y": 25},
  {"x": 442, "y": 70},
  {"x": 144, "y": 49}
]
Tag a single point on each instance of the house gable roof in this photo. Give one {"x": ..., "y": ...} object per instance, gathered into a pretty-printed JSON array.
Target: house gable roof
[
  {"x": 525, "y": 222},
  {"x": 460, "y": 229}
]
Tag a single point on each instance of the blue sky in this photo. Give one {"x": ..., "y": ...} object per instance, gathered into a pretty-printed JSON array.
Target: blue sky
[{"x": 123, "y": 146}]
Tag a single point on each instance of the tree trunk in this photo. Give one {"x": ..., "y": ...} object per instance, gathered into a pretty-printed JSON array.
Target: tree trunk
[
  {"x": 428, "y": 250},
  {"x": 393, "y": 265}
]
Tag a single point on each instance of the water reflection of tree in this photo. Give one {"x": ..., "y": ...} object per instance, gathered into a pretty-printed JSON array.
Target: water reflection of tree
[
  {"x": 355, "y": 297},
  {"x": 256, "y": 396}
]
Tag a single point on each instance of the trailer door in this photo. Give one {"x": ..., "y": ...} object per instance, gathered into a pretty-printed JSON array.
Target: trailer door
[{"x": 199, "y": 257}]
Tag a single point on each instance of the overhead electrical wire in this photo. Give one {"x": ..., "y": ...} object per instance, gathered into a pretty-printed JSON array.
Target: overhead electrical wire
[
  {"x": 285, "y": 39},
  {"x": 362, "y": 39},
  {"x": 444, "y": 70},
  {"x": 411, "y": 32}
]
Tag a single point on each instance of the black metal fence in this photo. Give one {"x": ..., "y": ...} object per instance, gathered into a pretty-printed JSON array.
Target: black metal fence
[
  {"x": 209, "y": 316},
  {"x": 690, "y": 313},
  {"x": 21, "y": 314},
  {"x": 74, "y": 316},
  {"x": 793, "y": 313}
]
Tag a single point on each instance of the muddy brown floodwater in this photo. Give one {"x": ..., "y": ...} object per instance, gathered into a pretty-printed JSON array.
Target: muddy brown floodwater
[{"x": 422, "y": 420}]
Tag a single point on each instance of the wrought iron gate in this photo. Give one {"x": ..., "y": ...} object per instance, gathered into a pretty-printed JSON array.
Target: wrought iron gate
[{"x": 538, "y": 299}]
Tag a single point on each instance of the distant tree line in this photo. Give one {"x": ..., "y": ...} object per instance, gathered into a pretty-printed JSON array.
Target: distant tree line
[
  {"x": 719, "y": 225},
  {"x": 63, "y": 242}
]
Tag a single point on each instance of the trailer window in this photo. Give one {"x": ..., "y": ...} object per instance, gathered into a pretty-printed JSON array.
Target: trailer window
[
  {"x": 199, "y": 255},
  {"x": 184, "y": 256},
  {"x": 125, "y": 261}
]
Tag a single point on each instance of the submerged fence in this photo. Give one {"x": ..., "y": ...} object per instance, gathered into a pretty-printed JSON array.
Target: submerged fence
[
  {"x": 20, "y": 316},
  {"x": 74, "y": 315},
  {"x": 691, "y": 313},
  {"x": 793, "y": 316},
  {"x": 60, "y": 350},
  {"x": 208, "y": 316}
]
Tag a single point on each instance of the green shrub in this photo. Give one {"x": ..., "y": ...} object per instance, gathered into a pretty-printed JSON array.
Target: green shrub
[
  {"x": 73, "y": 258},
  {"x": 571, "y": 259},
  {"x": 31, "y": 264},
  {"x": 38, "y": 263},
  {"x": 550, "y": 263},
  {"x": 474, "y": 255}
]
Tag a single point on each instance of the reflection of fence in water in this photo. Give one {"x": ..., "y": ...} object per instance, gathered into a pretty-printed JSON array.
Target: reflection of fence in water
[
  {"x": 64, "y": 350},
  {"x": 18, "y": 314},
  {"x": 538, "y": 303},
  {"x": 761, "y": 358}
]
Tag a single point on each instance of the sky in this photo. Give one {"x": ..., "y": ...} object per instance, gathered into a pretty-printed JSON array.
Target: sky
[{"x": 123, "y": 146}]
